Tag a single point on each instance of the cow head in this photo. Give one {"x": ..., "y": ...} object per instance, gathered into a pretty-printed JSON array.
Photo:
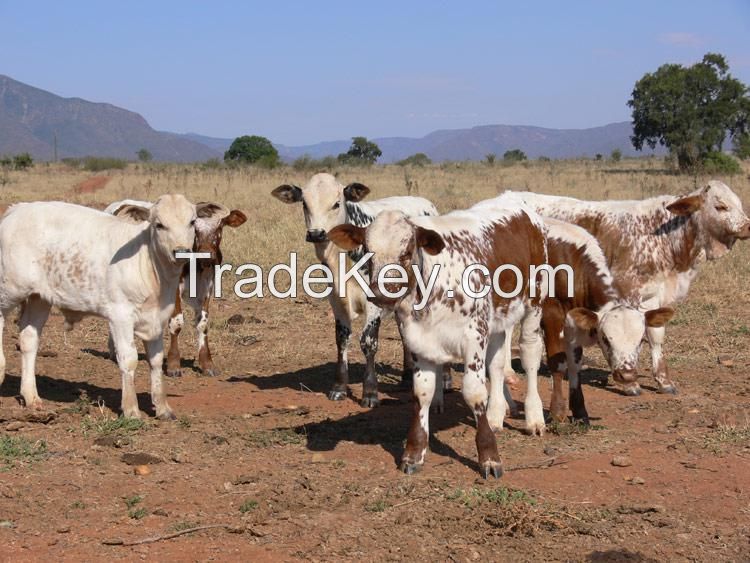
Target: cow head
[
  {"x": 392, "y": 239},
  {"x": 718, "y": 213},
  {"x": 323, "y": 201},
  {"x": 171, "y": 223},
  {"x": 209, "y": 225},
  {"x": 619, "y": 331}
]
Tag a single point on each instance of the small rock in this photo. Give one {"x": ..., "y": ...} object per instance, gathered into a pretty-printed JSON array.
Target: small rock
[
  {"x": 14, "y": 426},
  {"x": 160, "y": 512},
  {"x": 63, "y": 530},
  {"x": 180, "y": 457},
  {"x": 637, "y": 481},
  {"x": 6, "y": 524},
  {"x": 140, "y": 458},
  {"x": 243, "y": 480},
  {"x": 318, "y": 458},
  {"x": 228, "y": 486},
  {"x": 236, "y": 319},
  {"x": 726, "y": 361},
  {"x": 248, "y": 340},
  {"x": 621, "y": 461},
  {"x": 142, "y": 470},
  {"x": 113, "y": 441}
]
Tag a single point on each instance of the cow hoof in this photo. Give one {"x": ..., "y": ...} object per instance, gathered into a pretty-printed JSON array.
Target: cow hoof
[
  {"x": 632, "y": 391},
  {"x": 336, "y": 395},
  {"x": 668, "y": 390},
  {"x": 490, "y": 467},
  {"x": 210, "y": 372},
  {"x": 174, "y": 373},
  {"x": 166, "y": 416},
  {"x": 369, "y": 401},
  {"x": 132, "y": 414},
  {"x": 582, "y": 420},
  {"x": 410, "y": 468},
  {"x": 535, "y": 428}
]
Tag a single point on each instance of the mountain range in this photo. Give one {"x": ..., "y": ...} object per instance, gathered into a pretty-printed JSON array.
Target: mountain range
[{"x": 34, "y": 120}]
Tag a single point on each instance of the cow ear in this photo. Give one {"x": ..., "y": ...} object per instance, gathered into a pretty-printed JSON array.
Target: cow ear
[
  {"x": 234, "y": 219},
  {"x": 583, "y": 318},
  {"x": 430, "y": 241},
  {"x": 347, "y": 237},
  {"x": 656, "y": 318},
  {"x": 686, "y": 205},
  {"x": 355, "y": 192},
  {"x": 134, "y": 213},
  {"x": 210, "y": 210},
  {"x": 288, "y": 193}
]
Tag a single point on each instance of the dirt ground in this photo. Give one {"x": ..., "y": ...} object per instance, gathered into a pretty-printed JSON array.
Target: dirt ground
[{"x": 291, "y": 475}]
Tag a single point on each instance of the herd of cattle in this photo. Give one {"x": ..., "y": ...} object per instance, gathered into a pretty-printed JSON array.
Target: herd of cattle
[{"x": 631, "y": 260}]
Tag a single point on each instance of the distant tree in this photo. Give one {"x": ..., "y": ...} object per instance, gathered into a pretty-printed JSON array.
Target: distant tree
[
  {"x": 252, "y": 149},
  {"x": 514, "y": 155},
  {"x": 23, "y": 161},
  {"x": 489, "y": 159},
  {"x": 742, "y": 146},
  {"x": 543, "y": 159},
  {"x": 716, "y": 162},
  {"x": 361, "y": 152},
  {"x": 144, "y": 155},
  {"x": 418, "y": 159},
  {"x": 616, "y": 155},
  {"x": 598, "y": 156},
  {"x": 689, "y": 110}
]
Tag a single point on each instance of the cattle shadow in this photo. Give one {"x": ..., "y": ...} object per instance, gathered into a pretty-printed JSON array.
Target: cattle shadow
[
  {"x": 63, "y": 391},
  {"x": 320, "y": 378},
  {"x": 185, "y": 363},
  {"x": 619, "y": 555}
]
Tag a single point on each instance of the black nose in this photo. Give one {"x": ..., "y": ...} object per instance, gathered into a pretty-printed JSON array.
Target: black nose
[{"x": 316, "y": 235}]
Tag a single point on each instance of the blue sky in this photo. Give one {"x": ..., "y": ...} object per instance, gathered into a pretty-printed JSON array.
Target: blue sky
[{"x": 303, "y": 72}]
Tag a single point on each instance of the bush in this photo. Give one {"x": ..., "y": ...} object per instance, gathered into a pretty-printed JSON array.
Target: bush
[
  {"x": 716, "y": 162},
  {"x": 544, "y": 159},
  {"x": 598, "y": 156},
  {"x": 253, "y": 149},
  {"x": 514, "y": 155},
  {"x": 211, "y": 164},
  {"x": 144, "y": 155},
  {"x": 418, "y": 159},
  {"x": 489, "y": 159},
  {"x": 616, "y": 155},
  {"x": 306, "y": 162},
  {"x": 23, "y": 161}
]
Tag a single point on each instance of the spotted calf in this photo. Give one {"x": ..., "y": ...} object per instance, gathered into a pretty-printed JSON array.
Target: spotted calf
[
  {"x": 454, "y": 326},
  {"x": 209, "y": 225}
]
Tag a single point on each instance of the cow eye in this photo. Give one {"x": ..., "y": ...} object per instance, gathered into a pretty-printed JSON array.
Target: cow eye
[
  {"x": 192, "y": 223},
  {"x": 160, "y": 226},
  {"x": 336, "y": 205},
  {"x": 721, "y": 207}
]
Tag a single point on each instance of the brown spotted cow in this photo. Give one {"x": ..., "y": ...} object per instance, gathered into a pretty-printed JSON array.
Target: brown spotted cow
[
  {"x": 445, "y": 318},
  {"x": 210, "y": 222},
  {"x": 655, "y": 246}
]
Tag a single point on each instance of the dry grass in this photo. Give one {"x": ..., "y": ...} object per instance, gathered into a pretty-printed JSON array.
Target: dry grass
[{"x": 711, "y": 323}]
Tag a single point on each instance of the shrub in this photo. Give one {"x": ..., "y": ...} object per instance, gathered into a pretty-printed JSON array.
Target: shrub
[
  {"x": 716, "y": 162},
  {"x": 253, "y": 149},
  {"x": 23, "y": 161},
  {"x": 514, "y": 155},
  {"x": 489, "y": 159},
  {"x": 616, "y": 155},
  {"x": 418, "y": 159},
  {"x": 144, "y": 155}
]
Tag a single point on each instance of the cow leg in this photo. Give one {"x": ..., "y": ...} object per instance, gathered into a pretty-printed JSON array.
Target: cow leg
[
  {"x": 419, "y": 431},
  {"x": 511, "y": 377},
  {"x": 343, "y": 335},
  {"x": 576, "y": 402},
  {"x": 155, "y": 354},
  {"x": 658, "y": 363},
  {"x": 437, "y": 405},
  {"x": 531, "y": 356},
  {"x": 552, "y": 323},
  {"x": 447, "y": 379},
  {"x": 127, "y": 360},
  {"x": 205, "y": 361},
  {"x": 407, "y": 376},
  {"x": 369, "y": 345},
  {"x": 496, "y": 350},
  {"x": 474, "y": 389},
  {"x": 34, "y": 316},
  {"x": 2, "y": 352},
  {"x": 174, "y": 364}
]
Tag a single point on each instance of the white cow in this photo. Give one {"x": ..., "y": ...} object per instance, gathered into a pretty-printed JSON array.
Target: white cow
[
  {"x": 86, "y": 262},
  {"x": 327, "y": 203}
]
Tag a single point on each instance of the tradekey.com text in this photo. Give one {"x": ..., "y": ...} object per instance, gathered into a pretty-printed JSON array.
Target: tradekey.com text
[{"x": 318, "y": 279}]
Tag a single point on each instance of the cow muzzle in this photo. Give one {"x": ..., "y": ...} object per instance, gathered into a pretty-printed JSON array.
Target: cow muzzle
[
  {"x": 316, "y": 235},
  {"x": 381, "y": 300},
  {"x": 744, "y": 232}
]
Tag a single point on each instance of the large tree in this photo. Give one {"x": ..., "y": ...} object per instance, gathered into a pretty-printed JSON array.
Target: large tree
[
  {"x": 690, "y": 110},
  {"x": 252, "y": 149},
  {"x": 361, "y": 151}
]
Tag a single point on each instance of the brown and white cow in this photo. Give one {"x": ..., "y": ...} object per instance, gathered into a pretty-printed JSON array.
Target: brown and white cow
[
  {"x": 655, "y": 246},
  {"x": 455, "y": 324},
  {"x": 327, "y": 203},
  {"x": 209, "y": 225}
]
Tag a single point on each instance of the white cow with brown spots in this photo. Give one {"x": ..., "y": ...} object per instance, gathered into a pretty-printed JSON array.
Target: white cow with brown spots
[
  {"x": 455, "y": 324},
  {"x": 327, "y": 203},
  {"x": 655, "y": 246},
  {"x": 86, "y": 262},
  {"x": 209, "y": 227}
]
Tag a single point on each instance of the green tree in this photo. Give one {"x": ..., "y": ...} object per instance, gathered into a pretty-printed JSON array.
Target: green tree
[
  {"x": 514, "y": 155},
  {"x": 418, "y": 159},
  {"x": 252, "y": 149},
  {"x": 742, "y": 146},
  {"x": 616, "y": 155},
  {"x": 144, "y": 155},
  {"x": 361, "y": 151},
  {"x": 489, "y": 159},
  {"x": 23, "y": 161},
  {"x": 689, "y": 110}
]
